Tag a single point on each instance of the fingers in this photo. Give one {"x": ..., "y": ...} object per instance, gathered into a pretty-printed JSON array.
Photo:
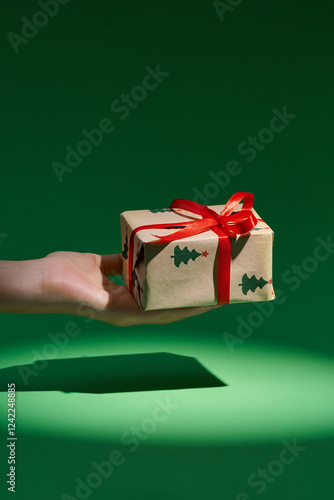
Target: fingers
[
  {"x": 123, "y": 310},
  {"x": 111, "y": 265}
]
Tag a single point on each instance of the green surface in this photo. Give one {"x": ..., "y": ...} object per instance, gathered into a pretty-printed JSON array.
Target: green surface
[{"x": 244, "y": 379}]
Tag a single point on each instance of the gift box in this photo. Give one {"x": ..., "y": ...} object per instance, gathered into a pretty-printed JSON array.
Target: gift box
[{"x": 191, "y": 255}]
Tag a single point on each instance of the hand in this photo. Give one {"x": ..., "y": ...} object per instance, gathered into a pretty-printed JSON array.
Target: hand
[{"x": 72, "y": 283}]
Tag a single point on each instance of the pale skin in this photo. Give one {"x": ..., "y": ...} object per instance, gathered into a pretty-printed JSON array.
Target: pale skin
[{"x": 77, "y": 283}]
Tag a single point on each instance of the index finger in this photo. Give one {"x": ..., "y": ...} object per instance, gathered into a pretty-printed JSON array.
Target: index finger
[{"x": 111, "y": 265}]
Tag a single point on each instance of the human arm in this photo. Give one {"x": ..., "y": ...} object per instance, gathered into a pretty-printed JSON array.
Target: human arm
[{"x": 74, "y": 283}]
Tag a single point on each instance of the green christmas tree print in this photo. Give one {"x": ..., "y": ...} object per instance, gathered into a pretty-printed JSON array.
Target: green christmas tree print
[
  {"x": 125, "y": 248},
  {"x": 134, "y": 280},
  {"x": 157, "y": 210},
  {"x": 184, "y": 255},
  {"x": 251, "y": 283},
  {"x": 136, "y": 285}
]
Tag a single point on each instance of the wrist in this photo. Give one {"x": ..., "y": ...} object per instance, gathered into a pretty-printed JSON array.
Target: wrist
[{"x": 22, "y": 286}]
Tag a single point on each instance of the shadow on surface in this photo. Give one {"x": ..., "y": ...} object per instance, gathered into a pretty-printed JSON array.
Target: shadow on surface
[{"x": 108, "y": 374}]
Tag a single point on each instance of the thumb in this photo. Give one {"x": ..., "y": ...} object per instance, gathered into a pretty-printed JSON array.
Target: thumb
[{"x": 111, "y": 265}]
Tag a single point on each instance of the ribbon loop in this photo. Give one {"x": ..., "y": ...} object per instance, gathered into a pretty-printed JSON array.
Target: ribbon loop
[{"x": 235, "y": 200}]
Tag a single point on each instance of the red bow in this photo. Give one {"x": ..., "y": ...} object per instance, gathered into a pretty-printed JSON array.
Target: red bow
[
  {"x": 238, "y": 223},
  {"x": 225, "y": 225}
]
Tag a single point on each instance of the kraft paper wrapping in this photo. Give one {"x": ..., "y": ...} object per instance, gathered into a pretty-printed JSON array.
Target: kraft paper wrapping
[{"x": 182, "y": 273}]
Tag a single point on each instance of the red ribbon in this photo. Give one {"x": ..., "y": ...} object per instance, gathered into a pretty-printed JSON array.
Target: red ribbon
[{"x": 225, "y": 225}]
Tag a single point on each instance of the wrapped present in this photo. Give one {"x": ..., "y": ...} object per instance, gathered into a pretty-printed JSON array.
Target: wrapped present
[{"x": 191, "y": 255}]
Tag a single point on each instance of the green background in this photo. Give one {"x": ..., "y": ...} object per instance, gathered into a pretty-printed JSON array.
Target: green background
[{"x": 225, "y": 78}]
